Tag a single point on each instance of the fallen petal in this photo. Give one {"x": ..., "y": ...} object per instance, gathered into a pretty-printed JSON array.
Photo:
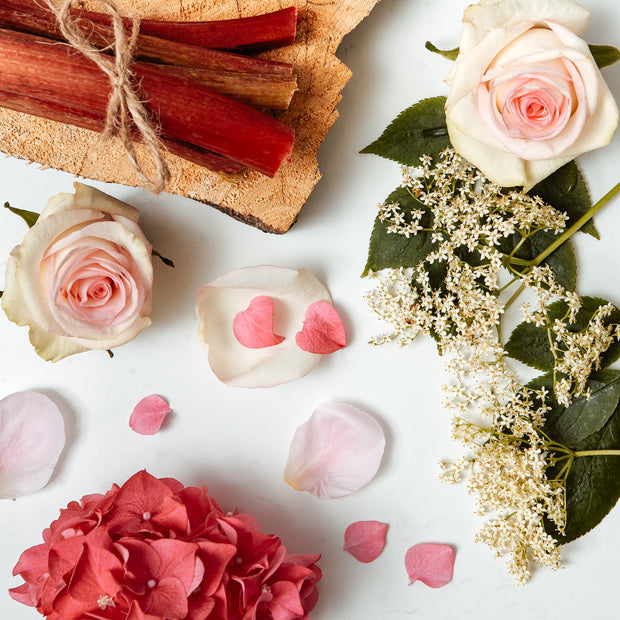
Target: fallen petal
[
  {"x": 365, "y": 540},
  {"x": 149, "y": 414},
  {"x": 32, "y": 436},
  {"x": 253, "y": 327},
  {"x": 323, "y": 331},
  {"x": 218, "y": 302},
  {"x": 431, "y": 564},
  {"x": 335, "y": 452}
]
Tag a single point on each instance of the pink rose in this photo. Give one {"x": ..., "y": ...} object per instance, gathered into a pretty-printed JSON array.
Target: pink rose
[
  {"x": 82, "y": 277},
  {"x": 526, "y": 95}
]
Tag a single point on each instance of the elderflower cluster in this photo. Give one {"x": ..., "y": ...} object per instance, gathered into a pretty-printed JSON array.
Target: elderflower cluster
[
  {"x": 453, "y": 293},
  {"x": 577, "y": 352}
]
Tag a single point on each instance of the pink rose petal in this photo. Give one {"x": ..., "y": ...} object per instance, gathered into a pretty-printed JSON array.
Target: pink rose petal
[
  {"x": 335, "y": 452},
  {"x": 149, "y": 414},
  {"x": 431, "y": 564},
  {"x": 365, "y": 540},
  {"x": 323, "y": 331},
  {"x": 32, "y": 436},
  {"x": 253, "y": 328}
]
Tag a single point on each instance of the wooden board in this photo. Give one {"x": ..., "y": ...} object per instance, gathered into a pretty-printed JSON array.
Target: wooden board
[{"x": 269, "y": 204}]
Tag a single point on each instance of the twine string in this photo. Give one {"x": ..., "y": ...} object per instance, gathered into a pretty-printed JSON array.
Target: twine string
[{"x": 124, "y": 105}]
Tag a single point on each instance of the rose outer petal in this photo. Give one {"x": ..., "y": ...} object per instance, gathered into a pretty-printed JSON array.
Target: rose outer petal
[
  {"x": 32, "y": 436},
  {"x": 432, "y": 564},
  {"x": 365, "y": 540},
  {"x": 253, "y": 327},
  {"x": 323, "y": 331},
  {"x": 149, "y": 414},
  {"x": 217, "y": 304},
  {"x": 336, "y": 452}
]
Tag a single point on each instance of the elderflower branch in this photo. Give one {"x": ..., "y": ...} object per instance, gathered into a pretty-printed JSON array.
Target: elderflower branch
[{"x": 582, "y": 221}]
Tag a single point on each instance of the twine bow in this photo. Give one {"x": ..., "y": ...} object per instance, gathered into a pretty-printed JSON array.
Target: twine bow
[{"x": 124, "y": 105}]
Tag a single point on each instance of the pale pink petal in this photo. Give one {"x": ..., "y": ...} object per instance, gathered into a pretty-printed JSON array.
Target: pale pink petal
[
  {"x": 335, "y": 452},
  {"x": 149, "y": 414},
  {"x": 431, "y": 564},
  {"x": 253, "y": 327},
  {"x": 32, "y": 436},
  {"x": 365, "y": 540},
  {"x": 323, "y": 331}
]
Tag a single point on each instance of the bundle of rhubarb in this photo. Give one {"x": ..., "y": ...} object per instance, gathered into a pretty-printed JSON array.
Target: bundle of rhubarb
[{"x": 208, "y": 98}]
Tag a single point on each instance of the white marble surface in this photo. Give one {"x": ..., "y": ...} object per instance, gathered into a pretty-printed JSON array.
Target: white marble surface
[{"x": 236, "y": 441}]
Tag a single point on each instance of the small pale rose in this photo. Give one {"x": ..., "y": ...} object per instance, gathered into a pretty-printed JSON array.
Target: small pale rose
[
  {"x": 82, "y": 277},
  {"x": 249, "y": 319},
  {"x": 526, "y": 95}
]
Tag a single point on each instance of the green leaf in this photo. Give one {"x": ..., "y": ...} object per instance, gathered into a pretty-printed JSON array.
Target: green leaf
[
  {"x": 566, "y": 191},
  {"x": 562, "y": 261},
  {"x": 593, "y": 483},
  {"x": 449, "y": 54},
  {"x": 530, "y": 344},
  {"x": 28, "y": 216},
  {"x": 418, "y": 130},
  {"x": 392, "y": 250},
  {"x": 604, "y": 55}
]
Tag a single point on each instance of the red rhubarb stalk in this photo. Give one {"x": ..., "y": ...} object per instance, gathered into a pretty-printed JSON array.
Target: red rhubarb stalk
[
  {"x": 29, "y": 16},
  {"x": 93, "y": 120},
  {"x": 243, "y": 34},
  {"x": 54, "y": 72}
]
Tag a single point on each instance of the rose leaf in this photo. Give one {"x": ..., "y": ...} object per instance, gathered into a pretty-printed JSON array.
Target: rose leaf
[
  {"x": 365, "y": 540},
  {"x": 389, "y": 250},
  {"x": 593, "y": 483},
  {"x": 420, "y": 129},
  {"x": 529, "y": 344},
  {"x": 604, "y": 55},
  {"x": 566, "y": 191},
  {"x": 432, "y": 564}
]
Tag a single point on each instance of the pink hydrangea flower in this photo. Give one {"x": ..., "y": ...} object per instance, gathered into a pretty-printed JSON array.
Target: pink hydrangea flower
[{"x": 155, "y": 550}]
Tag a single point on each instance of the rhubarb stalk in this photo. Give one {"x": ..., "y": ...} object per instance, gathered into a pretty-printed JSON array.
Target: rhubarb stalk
[{"x": 185, "y": 111}]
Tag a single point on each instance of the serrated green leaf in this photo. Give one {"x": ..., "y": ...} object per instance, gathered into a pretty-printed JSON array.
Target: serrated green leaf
[
  {"x": 566, "y": 191},
  {"x": 604, "y": 55},
  {"x": 593, "y": 483},
  {"x": 390, "y": 250},
  {"x": 28, "y": 216},
  {"x": 530, "y": 344},
  {"x": 449, "y": 54},
  {"x": 562, "y": 261},
  {"x": 418, "y": 130}
]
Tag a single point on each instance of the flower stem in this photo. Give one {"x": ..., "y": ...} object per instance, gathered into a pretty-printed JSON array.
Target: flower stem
[
  {"x": 569, "y": 232},
  {"x": 579, "y": 453}
]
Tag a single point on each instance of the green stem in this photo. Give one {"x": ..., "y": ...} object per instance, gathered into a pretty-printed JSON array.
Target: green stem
[
  {"x": 579, "y": 453},
  {"x": 514, "y": 297},
  {"x": 584, "y": 219}
]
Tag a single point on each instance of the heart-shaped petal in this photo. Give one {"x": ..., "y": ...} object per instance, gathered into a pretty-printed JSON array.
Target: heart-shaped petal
[
  {"x": 32, "y": 436},
  {"x": 323, "y": 331},
  {"x": 253, "y": 327},
  {"x": 431, "y": 564},
  {"x": 365, "y": 540},
  {"x": 335, "y": 452},
  {"x": 149, "y": 414}
]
